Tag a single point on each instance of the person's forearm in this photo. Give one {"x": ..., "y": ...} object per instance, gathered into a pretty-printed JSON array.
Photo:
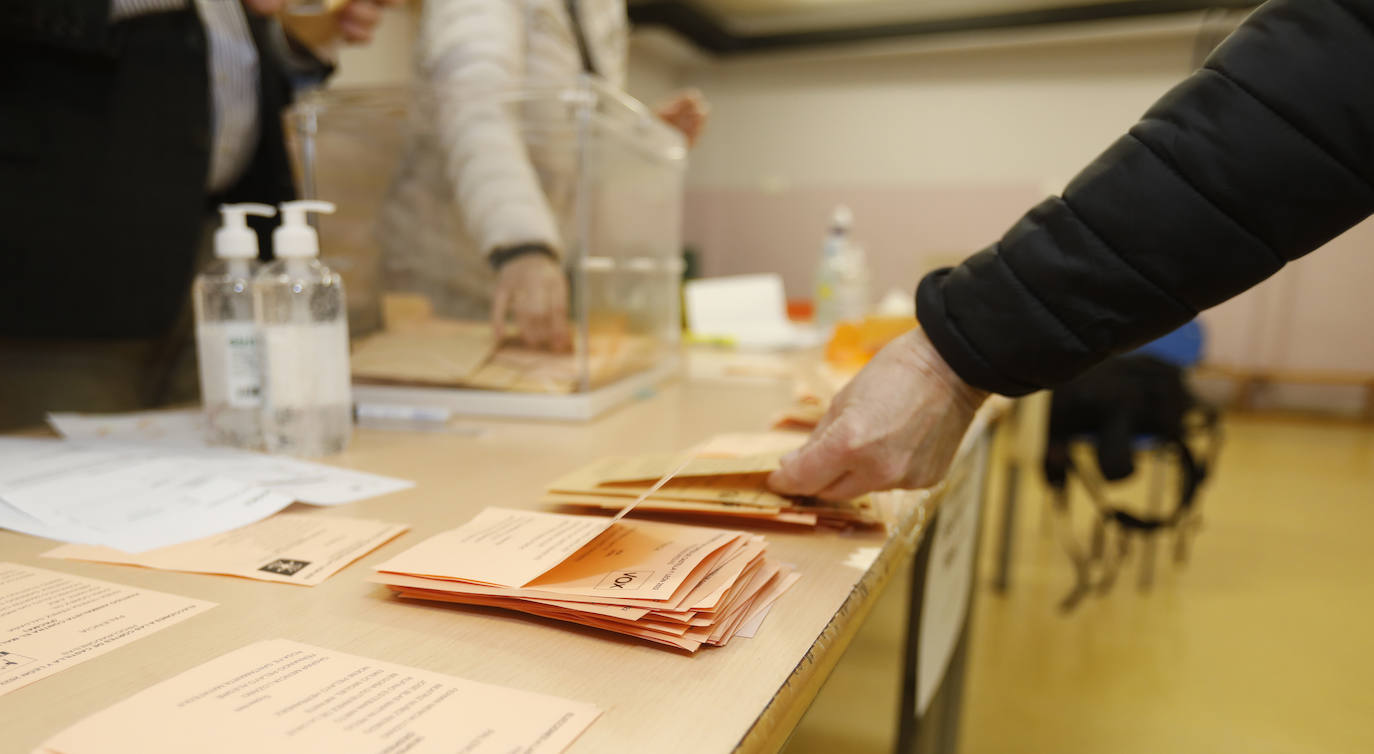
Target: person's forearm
[
  {"x": 473, "y": 59},
  {"x": 1259, "y": 158}
]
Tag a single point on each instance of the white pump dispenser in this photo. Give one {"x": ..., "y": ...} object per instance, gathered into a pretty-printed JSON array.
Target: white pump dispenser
[
  {"x": 303, "y": 322},
  {"x": 226, "y": 336},
  {"x": 294, "y": 238},
  {"x": 234, "y": 239}
]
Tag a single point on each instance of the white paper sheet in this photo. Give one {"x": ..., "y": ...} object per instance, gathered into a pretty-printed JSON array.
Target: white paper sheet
[
  {"x": 304, "y": 481},
  {"x": 181, "y": 429},
  {"x": 140, "y": 497},
  {"x": 748, "y": 310}
]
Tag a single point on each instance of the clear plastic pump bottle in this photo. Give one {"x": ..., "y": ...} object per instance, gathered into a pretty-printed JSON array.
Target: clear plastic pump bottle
[
  {"x": 226, "y": 336},
  {"x": 841, "y": 276},
  {"x": 303, "y": 331}
]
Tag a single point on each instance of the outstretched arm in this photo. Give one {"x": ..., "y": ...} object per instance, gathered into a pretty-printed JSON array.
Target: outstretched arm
[{"x": 1263, "y": 155}]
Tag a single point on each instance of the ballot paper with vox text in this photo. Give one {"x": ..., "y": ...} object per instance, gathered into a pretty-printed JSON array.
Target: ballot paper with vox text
[
  {"x": 682, "y": 586},
  {"x": 50, "y": 621},
  {"x": 284, "y": 697},
  {"x": 290, "y": 548}
]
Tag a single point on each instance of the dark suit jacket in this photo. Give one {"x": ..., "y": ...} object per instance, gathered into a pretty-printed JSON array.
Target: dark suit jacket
[{"x": 104, "y": 151}]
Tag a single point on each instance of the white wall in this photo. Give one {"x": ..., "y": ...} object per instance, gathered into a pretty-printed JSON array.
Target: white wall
[
  {"x": 939, "y": 146},
  {"x": 997, "y": 116},
  {"x": 941, "y": 149}
]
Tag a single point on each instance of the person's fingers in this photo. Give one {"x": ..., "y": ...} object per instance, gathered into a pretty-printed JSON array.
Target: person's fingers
[
  {"x": 560, "y": 336},
  {"x": 499, "y": 301},
  {"x": 529, "y": 327},
  {"x": 358, "y": 19},
  {"x": 849, "y": 486},
  {"x": 811, "y": 468},
  {"x": 361, "y": 12},
  {"x": 537, "y": 311},
  {"x": 355, "y": 32}
]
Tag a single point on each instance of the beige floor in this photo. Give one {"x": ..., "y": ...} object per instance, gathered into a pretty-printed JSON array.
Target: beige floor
[{"x": 1263, "y": 643}]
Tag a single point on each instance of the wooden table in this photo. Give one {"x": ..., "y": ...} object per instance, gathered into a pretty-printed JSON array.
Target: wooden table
[{"x": 747, "y": 696}]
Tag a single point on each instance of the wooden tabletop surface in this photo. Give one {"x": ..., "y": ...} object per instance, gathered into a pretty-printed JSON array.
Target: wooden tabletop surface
[{"x": 746, "y": 696}]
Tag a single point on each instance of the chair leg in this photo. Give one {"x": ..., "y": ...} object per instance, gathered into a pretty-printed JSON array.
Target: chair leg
[
  {"x": 1113, "y": 558},
  {"x": 1186, "y": 529},
  {"x": 1154, "y": 505},
  {"x": 1062, "y": 527},
  {"x": 1146, "y": 577}
]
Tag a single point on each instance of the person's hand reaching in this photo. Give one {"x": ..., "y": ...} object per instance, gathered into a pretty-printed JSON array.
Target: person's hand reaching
[
  {"x": 687, "y": 112},
  {"x": 532, "y": 288},
  {"x": 354, "y": 21},
  {"x": 897, "y": 424}
]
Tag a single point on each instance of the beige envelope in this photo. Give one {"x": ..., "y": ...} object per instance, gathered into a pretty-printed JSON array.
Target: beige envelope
[{"x": 290, "y": 548}]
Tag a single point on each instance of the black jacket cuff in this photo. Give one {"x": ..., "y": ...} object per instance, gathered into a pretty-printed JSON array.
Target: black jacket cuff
[{"x": 954, "y": 348}]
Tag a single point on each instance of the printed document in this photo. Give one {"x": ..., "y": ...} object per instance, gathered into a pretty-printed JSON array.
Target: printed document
[
  {"x": 291, "y": 548},
  {"x": 283, "y": 697},
  {"x": 50, "y": 621},
  {"x": 141, "y": 497}
]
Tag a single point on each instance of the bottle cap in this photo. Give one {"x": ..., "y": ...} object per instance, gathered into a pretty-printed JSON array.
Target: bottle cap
[
  {"x": 294, "y": 238},
  {"x": 234, "y": 239},
  {"x": 842, "y": 220}
]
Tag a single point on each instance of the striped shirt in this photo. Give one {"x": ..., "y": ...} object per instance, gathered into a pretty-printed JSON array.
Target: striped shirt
[{"x": 233, "y": 64}]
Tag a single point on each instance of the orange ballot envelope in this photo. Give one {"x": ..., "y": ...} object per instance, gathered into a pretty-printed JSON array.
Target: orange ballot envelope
[
  {"x": 283, "y": 697},
  {"x": 725, "y": 476},
  {"x": 291, "y": 548},
  {"x": 683, "y": 586}
]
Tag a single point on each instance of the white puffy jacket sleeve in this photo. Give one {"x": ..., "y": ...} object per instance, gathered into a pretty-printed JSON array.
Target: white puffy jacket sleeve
[{"x": 470, "y": 52}]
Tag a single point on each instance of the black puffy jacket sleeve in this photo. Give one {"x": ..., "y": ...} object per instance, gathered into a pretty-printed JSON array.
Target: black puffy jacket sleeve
[{"x": 1261, "y": 156}]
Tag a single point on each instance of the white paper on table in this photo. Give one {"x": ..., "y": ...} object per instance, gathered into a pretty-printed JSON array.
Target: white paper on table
[
  {"x": 141, "y": 497},
  {"x": 750, "y": 310},
  {"x": 305, "y": 481},
  {"x": 283, "y": 697},
  {"x": 183, "y": 428},
  {"x": 184, "y": 431},
  {"x": 53, "y": 621},
  {"x": 124, "y": 497}
]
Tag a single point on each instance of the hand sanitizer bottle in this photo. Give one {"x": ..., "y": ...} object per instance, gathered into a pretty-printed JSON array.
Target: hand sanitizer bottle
[
  {"x": 303, "y": 331},
  {"x": 226, "y": 336}
]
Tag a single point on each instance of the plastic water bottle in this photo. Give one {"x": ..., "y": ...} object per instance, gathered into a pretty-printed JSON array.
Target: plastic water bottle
[
  {"x": 303, "y": 331},
  {"x": 226, "y": 335},
  {"x": 842, "y": 282},
  {"x": 824, "y": 314}
]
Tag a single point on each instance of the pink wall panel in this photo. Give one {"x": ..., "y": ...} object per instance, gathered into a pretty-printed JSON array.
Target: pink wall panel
[
  {"x": 1328, "y": 314},
  {"x": 1318, "y": 313},
  {"x": 905, "y": 230}
]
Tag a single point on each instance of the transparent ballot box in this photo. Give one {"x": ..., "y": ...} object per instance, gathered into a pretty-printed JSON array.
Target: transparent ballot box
[{"x": 428, "y": 183}]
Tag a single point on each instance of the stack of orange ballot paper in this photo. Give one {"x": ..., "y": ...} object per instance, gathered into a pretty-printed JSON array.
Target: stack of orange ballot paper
[
  {"x": 683, "y": 586},
  {"x": 726, "y": 475}
]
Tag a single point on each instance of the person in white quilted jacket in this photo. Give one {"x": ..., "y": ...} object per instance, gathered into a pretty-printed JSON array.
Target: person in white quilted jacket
[{"x": 472, "y": 221}]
